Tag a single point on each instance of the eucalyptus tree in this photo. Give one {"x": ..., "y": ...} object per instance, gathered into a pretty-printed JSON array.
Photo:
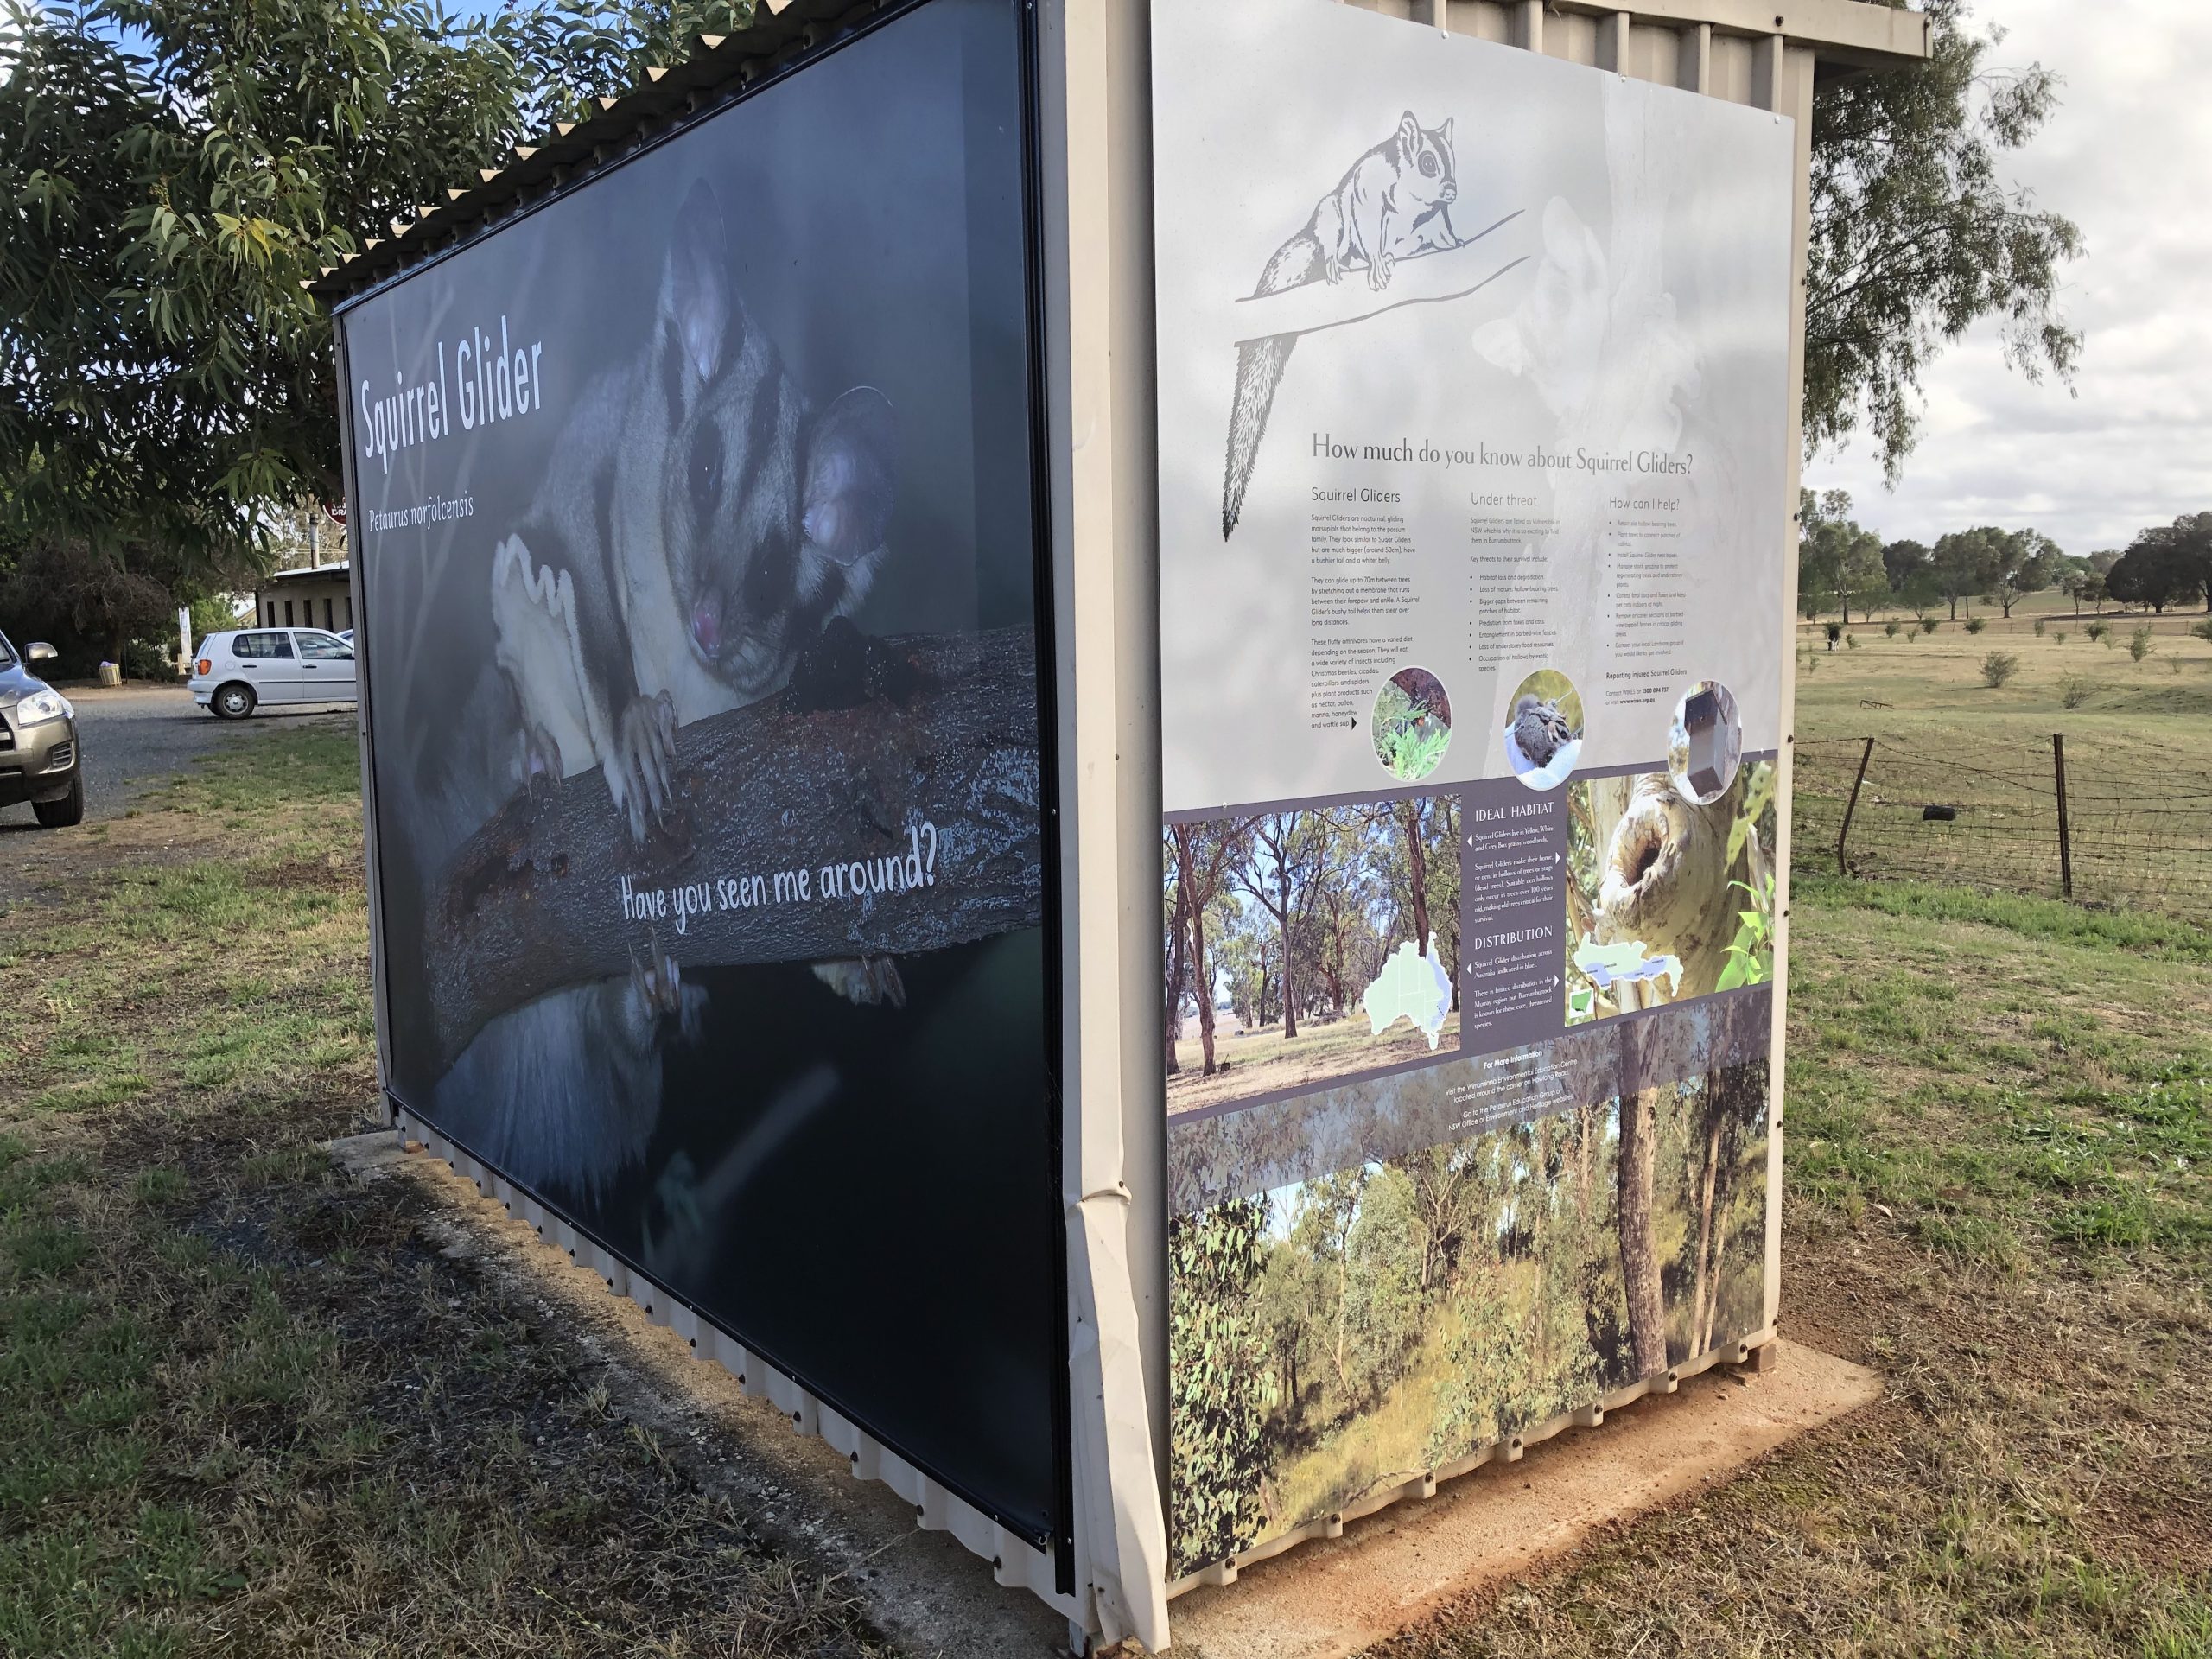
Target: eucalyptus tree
[
  {"x": 1836, "y": 558},
  {"x": 171, "y": 173},
  {"x": 1915, "y": 235}
]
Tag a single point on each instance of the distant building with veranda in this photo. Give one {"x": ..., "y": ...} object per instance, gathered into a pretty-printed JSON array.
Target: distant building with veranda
[{"x": 315, "y": 596}]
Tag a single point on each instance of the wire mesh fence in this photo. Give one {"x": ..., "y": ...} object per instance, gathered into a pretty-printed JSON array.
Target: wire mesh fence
[{"x": 2017, "y": 819}]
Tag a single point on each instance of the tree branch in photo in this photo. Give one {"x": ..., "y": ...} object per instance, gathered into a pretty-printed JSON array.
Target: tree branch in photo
[{"x": 944, "y": 739}]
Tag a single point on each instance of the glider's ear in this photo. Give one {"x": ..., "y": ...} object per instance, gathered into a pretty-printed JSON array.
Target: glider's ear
[
  {"x": 697, "y": 294},
  {"x": 851, "y": 465}
]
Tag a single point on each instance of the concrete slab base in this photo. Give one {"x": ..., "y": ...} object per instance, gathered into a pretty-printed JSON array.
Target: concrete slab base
[
  {"x": 1317, "y": 1601},
  {"x": 932, "y": 1598},
  {"x": 1330, "y": 1598}
]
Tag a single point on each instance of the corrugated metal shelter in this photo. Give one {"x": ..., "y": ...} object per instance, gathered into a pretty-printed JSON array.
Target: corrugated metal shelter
[{"x": 1093, "y": 74}]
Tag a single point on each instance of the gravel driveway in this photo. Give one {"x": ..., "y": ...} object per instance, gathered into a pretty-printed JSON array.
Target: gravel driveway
[{"x": 136, "y": 736}]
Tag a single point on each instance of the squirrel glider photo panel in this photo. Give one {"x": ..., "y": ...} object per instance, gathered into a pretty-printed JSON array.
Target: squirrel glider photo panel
[{"x": 699, "y": 552}]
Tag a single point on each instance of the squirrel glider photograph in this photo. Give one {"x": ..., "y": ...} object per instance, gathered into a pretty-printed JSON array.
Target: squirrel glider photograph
[{"x": 1394, "y": 205}]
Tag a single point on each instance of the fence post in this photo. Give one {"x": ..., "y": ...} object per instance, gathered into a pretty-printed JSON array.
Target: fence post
[
  {"x": 1852, "y": 806},
  {"x": 2065, "y": 842}
]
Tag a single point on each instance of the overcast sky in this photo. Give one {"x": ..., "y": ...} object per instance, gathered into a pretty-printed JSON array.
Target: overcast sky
[{"x": 2128, "y": 157}]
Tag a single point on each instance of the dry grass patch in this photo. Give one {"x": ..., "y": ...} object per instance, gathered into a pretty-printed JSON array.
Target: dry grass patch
[{"x": 245, "y": 1406}]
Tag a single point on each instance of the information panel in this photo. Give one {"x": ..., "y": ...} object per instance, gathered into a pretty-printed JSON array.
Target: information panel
[
  {"x": 697, "y": 523},
  {"x": 1473, "y": 369}
]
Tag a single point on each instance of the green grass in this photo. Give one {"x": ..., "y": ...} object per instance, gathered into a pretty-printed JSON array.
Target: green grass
[
  {"x": 246, "y": 1405},
  {"x": 2029, "y": 916}
]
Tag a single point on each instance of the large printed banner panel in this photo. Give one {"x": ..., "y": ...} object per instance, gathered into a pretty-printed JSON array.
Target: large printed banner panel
[
  {"x": 696, "y": 519},
  {"x": 1472, "y": 377}
]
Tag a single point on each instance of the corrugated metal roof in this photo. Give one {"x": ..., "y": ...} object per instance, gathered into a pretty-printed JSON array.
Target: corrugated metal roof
[{"x": 721, "y": 68}]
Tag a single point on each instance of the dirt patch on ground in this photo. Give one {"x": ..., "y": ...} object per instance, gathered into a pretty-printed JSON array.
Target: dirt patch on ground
[
  {"x": 332, "y": 874},
  {"x": 46, "y": 865},
  {"x": 1261, "y": 1062}
]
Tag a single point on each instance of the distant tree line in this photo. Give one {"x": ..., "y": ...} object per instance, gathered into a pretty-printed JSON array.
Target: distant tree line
[{"x": 1843, "y": 567}]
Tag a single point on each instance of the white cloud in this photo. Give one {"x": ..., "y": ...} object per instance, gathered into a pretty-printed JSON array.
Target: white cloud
[{"x": 2128, "y": 157}]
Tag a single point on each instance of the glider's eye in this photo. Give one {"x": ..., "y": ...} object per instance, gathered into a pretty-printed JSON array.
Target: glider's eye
[{"x": 1428, "y": 166}]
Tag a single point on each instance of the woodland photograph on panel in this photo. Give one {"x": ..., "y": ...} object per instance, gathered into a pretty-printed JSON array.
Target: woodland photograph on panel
[
  {"x": 1341, "y": 1335},
  {"x": 1305, "y": 945},
  {"x": 1666, "y": 898}
]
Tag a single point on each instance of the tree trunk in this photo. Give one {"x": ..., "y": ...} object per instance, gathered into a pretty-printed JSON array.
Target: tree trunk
[
  {"x": 1647, "y": 1305},
  {"x": 1282, "y": 918},
  {"x": 1175, "y": 934},
  {"x": 1713, "y": 1307},
  {"x": 1706, "y": 1177},
  {"x": 1585, "y": 1129},
  {"x": 1344, "y": 1307},
  {"x": 1202, "y": 989},
  {"x": 1664, "y": 879},
  {"x": 1416, "y": 870}
]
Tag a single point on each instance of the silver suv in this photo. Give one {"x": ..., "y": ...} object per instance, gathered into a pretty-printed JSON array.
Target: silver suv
[{"x": 38, "y": 759}]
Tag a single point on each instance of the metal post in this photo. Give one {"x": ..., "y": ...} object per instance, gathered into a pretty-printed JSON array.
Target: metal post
[
  {"x": 1852, "y": 806},
  {"x": 2065, "y": 842}
]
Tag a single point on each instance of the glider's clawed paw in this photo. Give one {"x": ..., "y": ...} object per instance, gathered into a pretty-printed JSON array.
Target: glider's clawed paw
[
  {"x": 541, "y": 763},
  {"x": 662, "y": 1007},
  {"x": 868, "y": 981},
  {"x": 658, "y": 982},
  {"x": 640, "y": 774}
]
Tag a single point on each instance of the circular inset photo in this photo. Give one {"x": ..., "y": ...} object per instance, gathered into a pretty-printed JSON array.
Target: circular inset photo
[
  {"x": 1705, "y": 744},
  {"x": 1543, "y": 728},
  {"x": 1411, "y": 724}
]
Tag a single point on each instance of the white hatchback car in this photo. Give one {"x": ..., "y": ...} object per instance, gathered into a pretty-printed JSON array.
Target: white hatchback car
[{"x": 237, "y": 672}]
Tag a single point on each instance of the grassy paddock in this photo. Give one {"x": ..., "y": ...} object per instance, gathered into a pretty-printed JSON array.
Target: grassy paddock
[
  {"x": 2138, "y": 748},
  {"x": 2136, "y": 719},
  {"x": 245, "y": 1406}
]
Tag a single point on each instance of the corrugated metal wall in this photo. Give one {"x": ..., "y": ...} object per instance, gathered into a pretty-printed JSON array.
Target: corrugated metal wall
[{"x": 1690, "y": 55}]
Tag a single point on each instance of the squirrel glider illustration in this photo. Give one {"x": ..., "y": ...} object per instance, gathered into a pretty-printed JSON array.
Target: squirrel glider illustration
[{"x": 1393, "y": 206}]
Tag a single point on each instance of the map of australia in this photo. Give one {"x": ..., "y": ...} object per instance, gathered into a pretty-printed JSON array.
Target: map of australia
[{"x": 1414, "y": 985}]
